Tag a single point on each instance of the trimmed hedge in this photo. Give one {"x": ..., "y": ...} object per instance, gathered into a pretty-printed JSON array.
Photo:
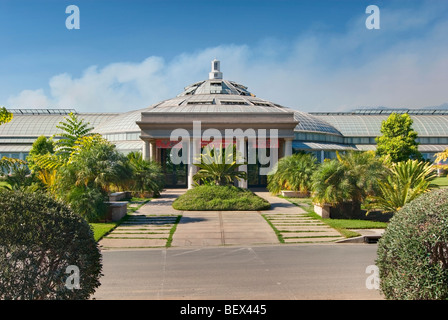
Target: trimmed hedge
[
  {"x": 413, "y": 251},
  {"x": 39, "y": 239},
  {"x": 223, "y": 198}
]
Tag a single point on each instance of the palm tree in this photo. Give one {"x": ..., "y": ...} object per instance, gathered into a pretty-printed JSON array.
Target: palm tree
[
  {"x": 349, "y": 179},
  {"x": 293, "y": 173},
  {"x": 406, "y": 181},
  {"x": 219, "y": 166},
  {"x": 147, "y": 176}
]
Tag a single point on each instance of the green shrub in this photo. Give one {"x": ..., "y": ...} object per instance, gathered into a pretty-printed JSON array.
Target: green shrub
[
  {"x": 413, "y": 251},
  {"x": 39, "y": 239},
  {"x": 293, "y": 173},
  {"x": 220, "y": 198}
]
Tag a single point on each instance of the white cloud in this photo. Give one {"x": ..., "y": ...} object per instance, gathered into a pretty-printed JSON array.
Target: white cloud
[
  {"x": 332, "y": 71},
  {"x": 29, "y": 99}
]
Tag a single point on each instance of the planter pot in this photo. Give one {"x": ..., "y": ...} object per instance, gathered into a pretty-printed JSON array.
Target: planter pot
[
  {"x": 294, "y": 194},
  {"x": 346, "y": 210},
  {"x": 322, "y": 210},
  {"x": 148, "y": 194}
]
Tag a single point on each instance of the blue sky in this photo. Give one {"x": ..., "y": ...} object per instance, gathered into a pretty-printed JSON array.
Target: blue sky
[{"x": 309, "y": 55}]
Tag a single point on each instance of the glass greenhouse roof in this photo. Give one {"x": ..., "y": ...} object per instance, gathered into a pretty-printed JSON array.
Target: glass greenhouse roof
[
  {"x": 34, "y": 125},
  {"x": 370, "y": 125},
  {"x": 309, "y": 123}
]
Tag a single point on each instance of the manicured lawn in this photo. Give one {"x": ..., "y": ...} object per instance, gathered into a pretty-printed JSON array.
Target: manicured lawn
[
  {"x": 342, "y": 225},
  {"x": 101, "y": 229},
  {"x": 223, "y": 198},
  {"x": 441, "y": 181}
]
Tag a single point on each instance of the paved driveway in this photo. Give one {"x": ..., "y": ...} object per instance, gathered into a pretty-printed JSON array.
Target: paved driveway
[
  {"x": 154, "y": 223},
  {"x": 287, "y": 272}
]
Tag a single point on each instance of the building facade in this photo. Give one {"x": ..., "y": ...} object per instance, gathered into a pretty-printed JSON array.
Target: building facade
[{"x": 218, "y": 105}]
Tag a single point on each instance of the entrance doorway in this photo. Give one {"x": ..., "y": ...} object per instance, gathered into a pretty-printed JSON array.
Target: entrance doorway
[
  {"x": 254, "y": 179},
  {"x": 175, "y": 174}
]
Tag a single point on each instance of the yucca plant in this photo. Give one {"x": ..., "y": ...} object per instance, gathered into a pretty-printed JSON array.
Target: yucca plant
[
  {"x": 405, "y": 182},
  {"x": 293, "y": 173},
  {"x": 219, "y": 166}
]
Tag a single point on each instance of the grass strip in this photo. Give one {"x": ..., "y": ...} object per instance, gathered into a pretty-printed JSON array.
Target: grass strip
[
  {"x": 173, "y": 229},
  {"x": 277, "y": 232}
]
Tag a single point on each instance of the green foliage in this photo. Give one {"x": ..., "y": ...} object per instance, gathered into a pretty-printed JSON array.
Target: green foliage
[
  {"x": 398, "y": 140},
  {"x": 293, "y": 173},
  {"x": 72, "y": 128},
  {"x": 441, "y": 156},
  {"x": 219, "y": 166},
  {"x": 87, "y": 201},
  {"x": 413, "y": 251},
  {"x": 5, "y": 116},
  {"x": 86, "y": 179},
  {"x": 8, "y": 165},
  {"x": 220, "y": 198},
  {"x": 351, "y": 177},
  {"x": 42, "y": 146},
  {"x": 405, "y": 182},
  {"x": 99, "y": 164},
  {"x": 39, "y": 238},
  {"x": 21, "y": 179},
  {"x": 147, "y": 176}
]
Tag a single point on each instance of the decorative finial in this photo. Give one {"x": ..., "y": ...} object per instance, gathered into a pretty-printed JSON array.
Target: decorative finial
[{"x": 215, "y": 73}]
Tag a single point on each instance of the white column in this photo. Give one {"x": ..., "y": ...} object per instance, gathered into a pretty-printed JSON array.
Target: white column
[
  {"x": 152, "y": 151},
  {"x": 145, "y": 151},
  {"x": 194, "y": 151},
  {"x": 245, "y": 154},
  {"x": 288, "y": 147},
  {"x": 243, "y": 183}
]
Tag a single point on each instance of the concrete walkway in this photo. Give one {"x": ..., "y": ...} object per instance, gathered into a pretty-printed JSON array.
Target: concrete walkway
[
  {"x": 152, "y": 224},
  {"x": 294, "y": 224},
  {"x": 148, "y": 227}
]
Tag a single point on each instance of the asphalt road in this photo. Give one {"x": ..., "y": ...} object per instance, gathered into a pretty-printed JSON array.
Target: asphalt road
[{"x": 277, "y": 272}]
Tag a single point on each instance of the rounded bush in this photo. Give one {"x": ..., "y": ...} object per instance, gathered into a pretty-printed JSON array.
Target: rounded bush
[
  {"x": 222, "y": 198},
  {"x": 413, "y": 251},
  {"x": 46, "y": 250}
]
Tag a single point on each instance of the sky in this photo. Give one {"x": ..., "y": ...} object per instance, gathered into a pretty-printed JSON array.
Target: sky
[{"x": 309, "y": 55}]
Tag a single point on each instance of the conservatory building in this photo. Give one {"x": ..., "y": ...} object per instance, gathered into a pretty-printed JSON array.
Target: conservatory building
[{"x": 220, "y": 108}]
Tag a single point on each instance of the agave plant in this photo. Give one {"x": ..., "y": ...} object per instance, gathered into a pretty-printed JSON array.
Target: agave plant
[
  {"x": 405, "y": 182},
  {"x": 219, "y": 166},
  {"x": 293, "y": 173}
]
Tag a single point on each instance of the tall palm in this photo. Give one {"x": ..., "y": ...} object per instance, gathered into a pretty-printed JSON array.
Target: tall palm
[
  {"x": 220, "y": 166},
  {"x": 293, "y": 173}
]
